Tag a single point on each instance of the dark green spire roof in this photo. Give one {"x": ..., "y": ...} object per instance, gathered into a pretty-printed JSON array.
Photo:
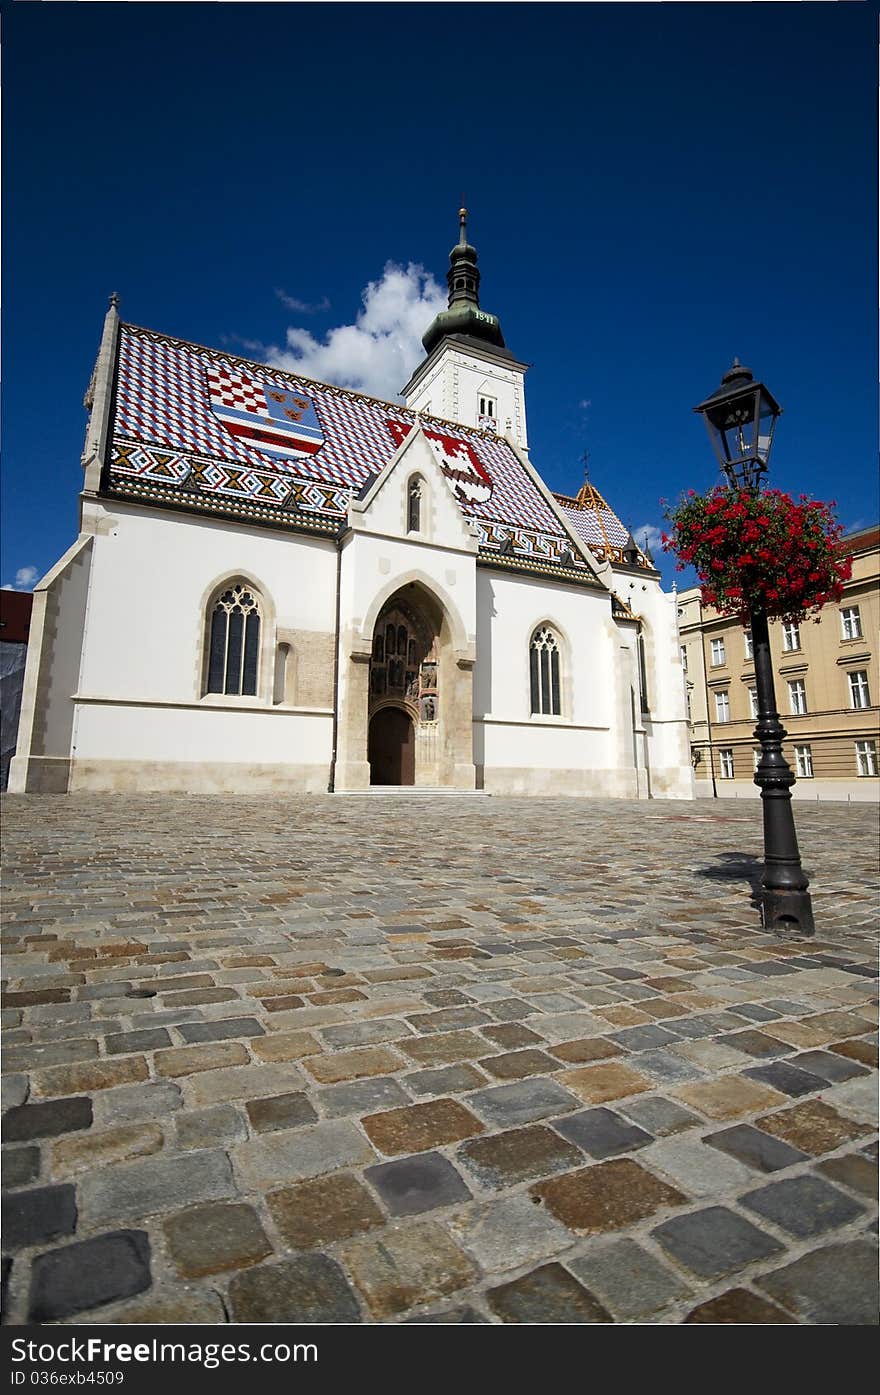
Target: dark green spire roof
[{"x": 464, "y": 316}]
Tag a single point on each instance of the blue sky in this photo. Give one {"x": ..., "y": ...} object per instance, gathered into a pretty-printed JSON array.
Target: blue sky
[{"x": 653, "y": 189}]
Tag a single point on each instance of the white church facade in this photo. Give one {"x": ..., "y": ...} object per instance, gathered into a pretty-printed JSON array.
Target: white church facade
[{"x": 283, "y": 585}]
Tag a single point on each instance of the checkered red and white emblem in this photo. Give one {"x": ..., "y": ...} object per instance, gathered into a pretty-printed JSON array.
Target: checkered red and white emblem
[{"x": 232, "y": 390}]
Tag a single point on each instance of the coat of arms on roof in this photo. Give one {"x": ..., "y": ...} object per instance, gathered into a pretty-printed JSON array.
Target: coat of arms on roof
[
  {"x": 278, "y": 421},
  {"x": 457, "y": 459}
]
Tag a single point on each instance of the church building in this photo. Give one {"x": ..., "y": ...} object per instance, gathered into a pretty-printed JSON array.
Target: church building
[{"x": 283, "y": 585}]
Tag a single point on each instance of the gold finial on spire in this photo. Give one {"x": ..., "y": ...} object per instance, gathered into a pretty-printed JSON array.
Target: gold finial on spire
[{"x": 462, "y": 224}]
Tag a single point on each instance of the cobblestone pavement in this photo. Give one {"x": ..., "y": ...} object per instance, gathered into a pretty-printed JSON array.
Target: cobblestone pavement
[{"x": 391, "y": 1059}]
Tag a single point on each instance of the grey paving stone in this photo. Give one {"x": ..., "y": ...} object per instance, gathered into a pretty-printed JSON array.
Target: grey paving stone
[
  {"x": 755, "y": 1148},
  {"x": 667, "y": 1068},
  {"x": 409, "y": 1186},
  {"x": 659, "y": 1115},
  {"x": 147, "y": 1039},
  {"x": 89, "y": 1274},
  {"x": 645, "y": 1038},
  {"x": 698, "y": 1170},
  {"x": 829, "y": 1066},
  {"x": 804, "y": 1206},
  {"x": 280, "y": 1112},
  {"x": 301, "y": 1152},
  {"x": 629, "y": 1280},
  {"x": 834, "y": 1286},
  {"x": 787, "y": 1079},
  {"x": 548, "y": 1294},
  {"x": 20, "y": 1165},
  {"x": 361, "y": 1097},
  {"x": 214, "y": 1127},
  {"x": 507, "y": 1233},
  {"x": 310, "y": 1288},
  {"x": 601, "y": 1132},
  {"x": 758, "y": 1012},
  {"x": 47, "y": 1120},
  {"x": 714, "y": 1242},
  {"x": 154, "y": 1184},
  {"x": 445, "y": 1080},
  {"x": 221, "y": 1030},
  {"x": 365, "y": 1033},
  {"x": 520, "y": 1103},
  {"x": 14, "y": 1091},
  {"x": 43, "y": 1213},
  {"x": 130, "y": 1103}
]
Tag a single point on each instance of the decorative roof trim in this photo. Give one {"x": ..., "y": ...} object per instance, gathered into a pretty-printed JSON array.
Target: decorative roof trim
[
  {"x": 172, "y": 499},
  {"x": 500, "y": 562}
]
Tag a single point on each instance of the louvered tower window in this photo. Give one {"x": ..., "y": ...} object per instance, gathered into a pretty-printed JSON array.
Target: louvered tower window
[
  {"x": 234, "y": 655},
  {"x": 544, "y": 672}
]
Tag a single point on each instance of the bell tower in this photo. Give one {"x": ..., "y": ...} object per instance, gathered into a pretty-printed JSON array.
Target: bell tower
[{"x": 469, "y": 375}]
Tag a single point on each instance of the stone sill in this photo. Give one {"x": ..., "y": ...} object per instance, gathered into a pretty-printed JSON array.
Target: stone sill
[{"x": 233, "y": 705}]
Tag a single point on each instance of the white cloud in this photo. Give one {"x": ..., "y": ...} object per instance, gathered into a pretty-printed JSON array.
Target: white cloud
[
  {"x": 303, "y": 306},
  {"x": 648, "y": 536},
  {"x": 377, "y": 353},
  {"x": 25, "y": 578}
]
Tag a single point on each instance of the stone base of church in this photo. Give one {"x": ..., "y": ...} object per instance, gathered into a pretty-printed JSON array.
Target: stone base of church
[
  {"x": 39, "y": 775},
  {"x": 590, "y": 784},
  {"x": 355, "y": 775},
  {"x": 196, "y": 777}
]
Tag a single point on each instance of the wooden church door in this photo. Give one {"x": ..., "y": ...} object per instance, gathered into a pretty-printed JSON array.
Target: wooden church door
[{"x": 391, "y": 751}]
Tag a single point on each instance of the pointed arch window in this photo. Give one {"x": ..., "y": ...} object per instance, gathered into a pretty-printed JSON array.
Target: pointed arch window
[
  {"x": 544, "y": 672},
  {"x": 414, "y": 506},
  {"x": 234, "y": 646}
]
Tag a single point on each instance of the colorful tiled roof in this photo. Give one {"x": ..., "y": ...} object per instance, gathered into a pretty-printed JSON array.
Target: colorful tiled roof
[
  {"x": 596, "y": 524},
  {"x": 202, "y": 430}
]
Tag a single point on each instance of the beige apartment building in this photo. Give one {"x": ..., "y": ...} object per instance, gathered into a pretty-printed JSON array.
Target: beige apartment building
[{"x": 827, "y": 679}]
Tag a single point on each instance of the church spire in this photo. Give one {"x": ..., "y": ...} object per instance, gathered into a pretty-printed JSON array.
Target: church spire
[{"x": 464, "y": 316}]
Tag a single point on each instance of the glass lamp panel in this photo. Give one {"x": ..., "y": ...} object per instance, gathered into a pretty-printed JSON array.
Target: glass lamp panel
[{"x": 767, "y": 418}]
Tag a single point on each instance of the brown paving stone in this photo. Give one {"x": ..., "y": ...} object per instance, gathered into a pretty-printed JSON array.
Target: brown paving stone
[
  {"x": 856, "y": 1050},
  {"x": 405, "y": 971},
  {"x": 516, "y": 1065},
  {"x": 353, "y": 1065},
  {"x": 417, "y": 1127},
  {"x": 89, "y": 1075},
  {"x": 739, "y": 1305},
  {"x": 314, "y": 966},
  {"x": 853, "y": 1171},
  {"x": 511, "y": 1035},
  {"x": 214, "y": 1238},
  {"x": 799, "y": 1033},
  {"x": 442, "y": 1049},
  {"x": 728, "y": 1097},
  {"x": 406, "y": 1265},
  {"x": 92, "y": 1150},
  {"x": 246, "y": 961},
  {"x": 336, "y": 995},
  {"x": 282, "y": 1002},
  {"x": 323, "y": 1210},
  {"x": 611, "y": 1081},
  {"x": 668, "y": 984},
  {"x": 812, "y": 1126},
  {"x": 273, "y": 1112},
  {"x": 548, "y": 1294},
  {"x": 841, "y": 1024},
  {"x": 659, "y": 1008},
  {"x": 194, "y": 997},
  {"x": 519, "y": 1155},
  {"x": 35, "y": 997},
  {"x": 585, "y": 1049},
  {"x": 285, "y": 1046},
  {"x": 188, "y": 1060},
  {"x": 609, "y": 1196},
  {"x": 622, "y": 1016}
]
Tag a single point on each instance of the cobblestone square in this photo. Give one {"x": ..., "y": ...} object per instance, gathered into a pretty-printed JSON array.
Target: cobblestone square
[{"x": 401, "y": 1058}]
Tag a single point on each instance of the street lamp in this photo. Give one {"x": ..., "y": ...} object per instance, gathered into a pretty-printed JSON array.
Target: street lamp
[{"x": 740, "y": 417}]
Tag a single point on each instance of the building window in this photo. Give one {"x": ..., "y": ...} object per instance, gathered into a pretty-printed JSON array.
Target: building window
[
  {"x": 234, "y": 652},
  {"x": 683, "y": 654},
  {"x": 797, "y": 697},
  {"x": 414, "y": 506},
  {"x": 488, "y": 407},
  {"x": 866, "y": 757},
  {"x": 749, "y": 646},
  {"x": 544, "y": 672},
  {"x": 791, "y": 637},
  {"x": 858, "y": 688},
  {"x": 803, "y": 759},
  {"x": 851, "y": 622},
  {"x": 753, "y": 701},
  {"x": 722, "y": 707},
  {"x": 717, "y": 652},
  {"x": 725, "y": 756}
]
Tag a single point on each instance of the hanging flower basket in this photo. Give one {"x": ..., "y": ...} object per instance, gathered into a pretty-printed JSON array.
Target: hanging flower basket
[{"x": 759, "y": 550}]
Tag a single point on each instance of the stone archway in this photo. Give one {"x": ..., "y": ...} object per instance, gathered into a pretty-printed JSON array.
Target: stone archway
[
  {"x": 391, "y": 747},
  {"x": 411, "y": 658}
]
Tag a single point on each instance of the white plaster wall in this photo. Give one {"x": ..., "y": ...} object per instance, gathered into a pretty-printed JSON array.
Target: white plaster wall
[
  {"x": 452, "y": 389},
  {"x": 509, "y": 610},
  {"x": 141, "y": 732},
  {"x": 152, "y": 573}
]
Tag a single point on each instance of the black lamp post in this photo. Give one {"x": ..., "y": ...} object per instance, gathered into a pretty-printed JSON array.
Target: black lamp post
[{"x": 740, "y": 417}]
